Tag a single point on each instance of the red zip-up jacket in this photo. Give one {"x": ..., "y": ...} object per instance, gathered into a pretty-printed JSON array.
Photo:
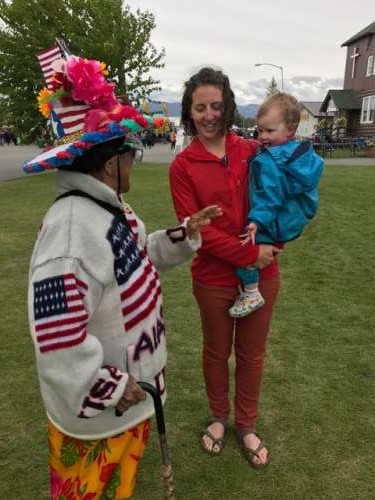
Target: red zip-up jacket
[{"x": 198, "y": 179}]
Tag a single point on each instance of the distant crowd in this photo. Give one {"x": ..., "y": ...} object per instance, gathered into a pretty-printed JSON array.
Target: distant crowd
[
  {"x": 176, "y": 137},
  {"x": 7, "y": 137}
]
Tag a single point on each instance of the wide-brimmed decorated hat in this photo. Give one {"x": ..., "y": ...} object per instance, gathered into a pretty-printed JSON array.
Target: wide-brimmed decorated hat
[{"x": 82, "y": 107}]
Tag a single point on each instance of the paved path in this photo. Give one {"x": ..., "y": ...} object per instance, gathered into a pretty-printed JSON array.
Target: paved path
[{"x": 12, "y": 158}]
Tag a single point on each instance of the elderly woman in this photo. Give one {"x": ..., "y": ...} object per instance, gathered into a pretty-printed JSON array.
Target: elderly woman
[{"x": 95, "y": 309}]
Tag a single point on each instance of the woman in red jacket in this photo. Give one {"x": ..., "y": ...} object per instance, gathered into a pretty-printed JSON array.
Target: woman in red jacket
[{"x": 213, "y": 169}]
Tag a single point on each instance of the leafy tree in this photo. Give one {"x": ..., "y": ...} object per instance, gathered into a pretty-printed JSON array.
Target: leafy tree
[
  {"x": 106, "y": 30},
  {"x": 272, "y": 88}
]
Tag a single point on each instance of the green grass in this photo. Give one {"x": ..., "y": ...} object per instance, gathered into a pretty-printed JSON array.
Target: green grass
[
  {"x": 345, "y": 153},
  {"x": 341, "y": 153},
  {"x": 317, "y": 407}
]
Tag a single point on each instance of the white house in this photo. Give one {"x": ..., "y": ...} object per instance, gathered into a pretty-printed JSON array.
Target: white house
[{"x": 310, "y": 115}]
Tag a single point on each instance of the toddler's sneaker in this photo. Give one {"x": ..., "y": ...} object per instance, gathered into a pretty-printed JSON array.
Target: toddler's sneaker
[{"x": 245, "y": 304}]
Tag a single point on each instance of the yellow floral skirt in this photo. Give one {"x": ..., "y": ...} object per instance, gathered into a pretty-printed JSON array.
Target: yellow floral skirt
[{"x": 102, "y": 469}]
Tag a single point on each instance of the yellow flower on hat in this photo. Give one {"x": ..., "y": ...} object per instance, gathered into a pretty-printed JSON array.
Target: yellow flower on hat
[
  {"x": 43, "y": 101},
  {"x": 103, "y": 69}
]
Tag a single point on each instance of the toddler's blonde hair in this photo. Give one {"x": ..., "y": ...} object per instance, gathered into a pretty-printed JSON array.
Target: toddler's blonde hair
[{"x": 288, "y": 105}]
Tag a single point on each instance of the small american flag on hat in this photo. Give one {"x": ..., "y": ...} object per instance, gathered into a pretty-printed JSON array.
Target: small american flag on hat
[{"x": 46, "y": 58}]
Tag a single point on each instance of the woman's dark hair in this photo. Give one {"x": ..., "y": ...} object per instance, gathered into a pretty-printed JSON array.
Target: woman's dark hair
[
  {"x": 94, "y": 159},
  {"x": 208, "y": 76}
]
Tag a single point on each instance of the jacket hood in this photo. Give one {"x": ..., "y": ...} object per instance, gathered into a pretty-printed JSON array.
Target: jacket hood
[
  {"x": 197, "y": 151},
  {"x": 299, "y": 159}
]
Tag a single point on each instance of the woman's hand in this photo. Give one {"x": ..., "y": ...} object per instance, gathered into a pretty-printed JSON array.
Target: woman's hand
[
  {"x": 131, "y": 396},
  {"x": 201, "y": 219},
  {"x": 266, "y": 255}
]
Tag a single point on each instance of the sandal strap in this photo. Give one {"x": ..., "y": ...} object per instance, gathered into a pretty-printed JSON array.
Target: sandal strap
[
  {"x": 250, "y": 451},
  {"x": 215, "y": 441},
  {"x": 254, "y": 453}
]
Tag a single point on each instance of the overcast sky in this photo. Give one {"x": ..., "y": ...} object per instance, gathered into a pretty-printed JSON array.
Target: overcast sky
[{"x": 303, "y": 37}]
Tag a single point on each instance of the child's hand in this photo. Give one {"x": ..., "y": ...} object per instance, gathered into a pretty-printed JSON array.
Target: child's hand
[{"x": 250, "y": 234}]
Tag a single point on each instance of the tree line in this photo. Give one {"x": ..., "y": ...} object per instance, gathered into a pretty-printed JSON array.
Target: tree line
[{"x": 106, "y": 30}]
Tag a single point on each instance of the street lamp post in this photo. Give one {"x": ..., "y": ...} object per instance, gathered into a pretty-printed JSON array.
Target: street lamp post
[{"x": 275, "y": 66}]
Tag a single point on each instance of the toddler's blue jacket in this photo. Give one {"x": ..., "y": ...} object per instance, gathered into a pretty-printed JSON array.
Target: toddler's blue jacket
[{"x": 284, "y": 190}]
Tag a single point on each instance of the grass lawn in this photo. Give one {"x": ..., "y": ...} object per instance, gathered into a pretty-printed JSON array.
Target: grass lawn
[
  {"x": 317, "y": 408},
  {"x": 345, "y": 153}
]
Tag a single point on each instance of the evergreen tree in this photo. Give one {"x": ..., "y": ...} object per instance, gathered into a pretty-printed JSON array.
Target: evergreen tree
[
  {"x": 241, "y": 121},
  {"x": 106, "y": 30},
  {"x": 272, "y": 88}
]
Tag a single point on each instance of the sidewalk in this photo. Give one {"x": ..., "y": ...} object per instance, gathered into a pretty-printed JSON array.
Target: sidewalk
[
  {"x": 360, "y": 162},
  {"x": 12, "y": 158}
]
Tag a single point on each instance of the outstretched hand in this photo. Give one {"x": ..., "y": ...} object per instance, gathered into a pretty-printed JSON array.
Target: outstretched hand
[{"x": 201, "y": 219}]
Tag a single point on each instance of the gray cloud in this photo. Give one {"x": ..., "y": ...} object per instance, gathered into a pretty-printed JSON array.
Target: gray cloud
[
  {"x": 307, "y": 79},
  {"x": 304, "y": 88},
  {"x": 306, "y": 42}
]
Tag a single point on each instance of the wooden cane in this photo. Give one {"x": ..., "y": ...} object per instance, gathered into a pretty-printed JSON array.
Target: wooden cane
[{"x": 166, "y": 467}]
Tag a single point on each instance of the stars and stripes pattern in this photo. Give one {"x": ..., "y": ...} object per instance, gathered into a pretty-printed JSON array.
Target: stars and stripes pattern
[
  {"x": 132, "y": 221},
  {"x": 136, "y": 276},
  {"x": 72, "y": 118},
  {"x": 46, "y": 58},
  {"x": 59, "y": 312}
]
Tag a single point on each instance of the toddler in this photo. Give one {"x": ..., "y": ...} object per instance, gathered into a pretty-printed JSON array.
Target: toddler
[{"x": 283, "y": 189}]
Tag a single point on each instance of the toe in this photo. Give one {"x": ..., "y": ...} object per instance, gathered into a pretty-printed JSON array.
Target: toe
[{"x": 252, "y": 442}]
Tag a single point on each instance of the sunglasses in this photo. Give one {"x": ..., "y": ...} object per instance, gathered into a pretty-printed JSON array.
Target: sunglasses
[{"x": 134, "y": 148}]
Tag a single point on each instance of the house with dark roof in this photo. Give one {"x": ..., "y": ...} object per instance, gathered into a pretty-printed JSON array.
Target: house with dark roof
[
  {"x": 310, "y": 116},
  {"x": 356, "y": 101}
]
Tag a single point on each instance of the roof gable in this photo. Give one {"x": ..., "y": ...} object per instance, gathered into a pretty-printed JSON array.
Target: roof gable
[
  {"x": 369, "y": 30},
  {"x": 343, "y": 99},
  {"x": 313, "y": 107}
]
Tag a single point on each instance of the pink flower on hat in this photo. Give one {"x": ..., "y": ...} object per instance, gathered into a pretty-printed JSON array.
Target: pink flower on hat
[
  {"x": 95, "y": 120},
  {"x": 89, "y": 83}
]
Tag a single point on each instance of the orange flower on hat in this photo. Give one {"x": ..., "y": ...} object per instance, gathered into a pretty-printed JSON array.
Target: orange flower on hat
[
  {"x": 43, "y": 102},
  {"x": 103, "y": 69}
]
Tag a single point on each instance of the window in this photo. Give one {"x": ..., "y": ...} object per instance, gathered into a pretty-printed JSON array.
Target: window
[
  {"x": 368, "y": 109},
  {"x": 370, "y": 66}
]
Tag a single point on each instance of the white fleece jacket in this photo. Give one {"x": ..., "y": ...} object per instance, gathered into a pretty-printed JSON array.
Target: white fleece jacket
[{"x": 95, "y": 308}]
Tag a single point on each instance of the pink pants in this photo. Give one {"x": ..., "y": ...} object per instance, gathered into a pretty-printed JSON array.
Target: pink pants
[{"x": 249, "y": 334}]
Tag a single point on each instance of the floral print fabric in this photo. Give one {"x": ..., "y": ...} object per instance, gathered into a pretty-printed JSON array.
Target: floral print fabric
[{"x": 103, "y": 469}]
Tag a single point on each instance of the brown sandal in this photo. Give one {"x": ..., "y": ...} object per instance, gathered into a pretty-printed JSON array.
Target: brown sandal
[
  {"x": 251, "y": 454},
  {"x": 217, "y": 443}
]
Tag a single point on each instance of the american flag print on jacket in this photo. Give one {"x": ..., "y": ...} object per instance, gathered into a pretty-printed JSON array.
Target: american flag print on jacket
[
  {"x": 59, "y": 312},
  {"x": 137, "y": 278}
]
